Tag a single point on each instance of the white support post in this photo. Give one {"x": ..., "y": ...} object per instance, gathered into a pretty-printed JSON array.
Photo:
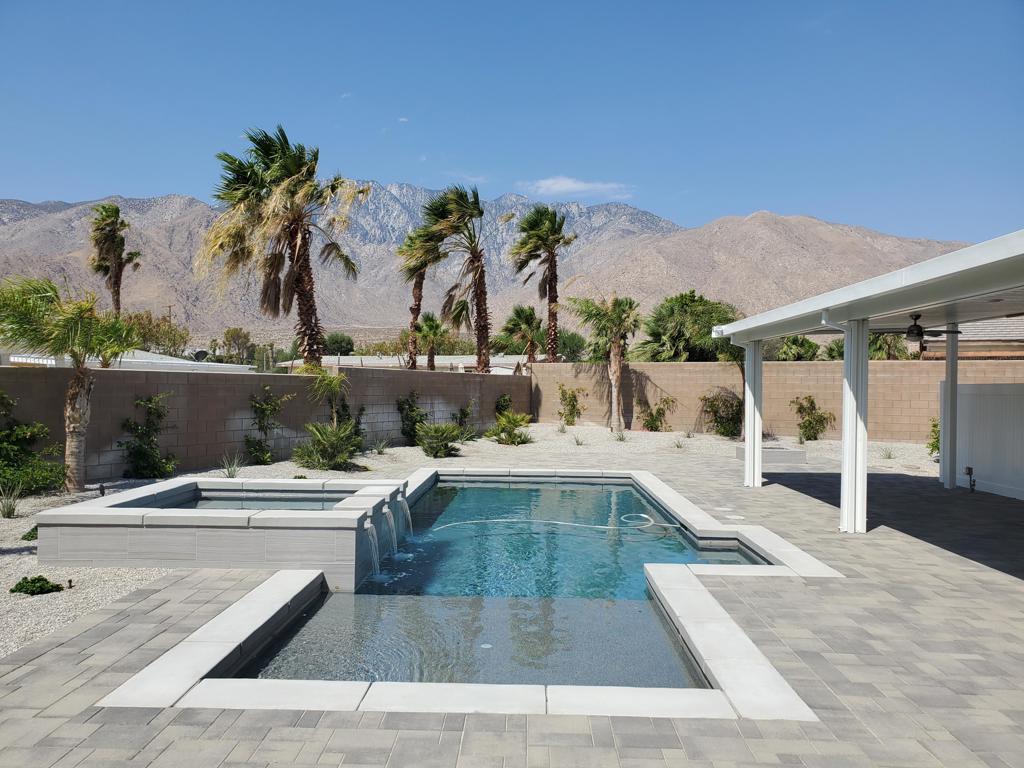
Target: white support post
[
  {"x": 947, "y": 422},
  {"x": 752, "y": 390},
  {"x": 853, "y": 515}
]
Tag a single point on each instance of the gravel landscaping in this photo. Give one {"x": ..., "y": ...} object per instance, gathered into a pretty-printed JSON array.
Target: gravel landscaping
[{"x": 27, "y": 618}]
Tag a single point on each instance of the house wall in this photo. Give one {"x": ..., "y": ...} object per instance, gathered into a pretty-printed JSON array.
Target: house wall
[
  {"x": 904, "y": 395},
  {"x": 990, "y": 437},
  {"x": 210, "y": 414}
]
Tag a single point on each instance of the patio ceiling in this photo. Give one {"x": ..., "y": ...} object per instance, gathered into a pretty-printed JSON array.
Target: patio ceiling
[{"x": 980, "y": 282}]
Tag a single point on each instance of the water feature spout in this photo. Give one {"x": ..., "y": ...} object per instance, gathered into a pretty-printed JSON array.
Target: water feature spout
[
  {"x": 392, "y": 533},
  {"x": 403, "y": 505},
  {"x": 371, "y": 536}
]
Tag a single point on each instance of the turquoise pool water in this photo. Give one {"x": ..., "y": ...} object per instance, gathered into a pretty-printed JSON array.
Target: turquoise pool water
[{"x": 515, "y": 583}]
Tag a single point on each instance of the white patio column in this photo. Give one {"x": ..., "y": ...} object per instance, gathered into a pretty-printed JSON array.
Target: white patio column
[
  {"x": 752, "y": 391},
  {"x": 947, "y": 419},
  {"x": 853, "y": 513}
]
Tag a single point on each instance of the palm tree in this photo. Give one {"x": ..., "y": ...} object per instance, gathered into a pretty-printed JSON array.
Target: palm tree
[
  {"x": 419, "y": 252},
  {"x": 109, "y": 258},
  {"x": 612, "y": 322},
  {"x": 276, "y": 208},
  {"x": 522, "y": 333},
  {"x": 452, "y": 224},
  {"x": 543, "y": 233},
  {"x": 431, "y": 331},
  {"x": 34, "y": 316}
]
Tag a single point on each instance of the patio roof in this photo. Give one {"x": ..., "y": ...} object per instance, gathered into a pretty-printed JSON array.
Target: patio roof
[{"x": 980, "y": 282}]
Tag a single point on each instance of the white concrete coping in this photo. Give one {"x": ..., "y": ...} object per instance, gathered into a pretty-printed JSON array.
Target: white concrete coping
[
  {"x": 347, "y": 484},
  {"x": 237, "y": 693},
  {"x": 217, "y": 646},
  {"x": 418, "y": 483},
  {"x": 455, "y": 697},
  {"x": 367, "y": 504},
  {"x": 307, "y": 518},
  {"x": 729, "y": 658},
  {"x": 86, "y": 514},
  {"x": 389, "y": 491},
  {"x": 486, "y": 472},
  {"x": 198, "y": 518},
  {"x": 638, "y": 702},
  {"x": 269, "y": 484}
]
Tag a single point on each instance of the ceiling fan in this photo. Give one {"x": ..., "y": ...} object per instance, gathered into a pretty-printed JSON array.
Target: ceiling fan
[{"x": 914, "y": 332}]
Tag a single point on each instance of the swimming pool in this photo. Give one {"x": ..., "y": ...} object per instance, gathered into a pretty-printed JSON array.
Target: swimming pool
[{"x": 509, "y": 583}]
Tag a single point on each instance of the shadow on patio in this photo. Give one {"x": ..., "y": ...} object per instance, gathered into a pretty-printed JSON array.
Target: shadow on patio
[{"x": 983, "y": 527}]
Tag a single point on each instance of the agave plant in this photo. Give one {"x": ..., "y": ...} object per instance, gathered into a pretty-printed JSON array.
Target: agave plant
[{"x": 277, "y": 209}]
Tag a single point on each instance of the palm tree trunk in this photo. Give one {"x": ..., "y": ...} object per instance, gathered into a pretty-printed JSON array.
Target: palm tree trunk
[
  {"x": 531, "y": 352},
  {"x": 482, "y": 324},
  {"x": 115, "y": 288},
  {"x": 615, "y": 384},
  {"x": 307, "y": 327},
  {"x": 430, "y": 357},
  {"x": 414, "y": 312},
  {"x": 552, "y": 310},
  {"x": 76, "y": 423}
]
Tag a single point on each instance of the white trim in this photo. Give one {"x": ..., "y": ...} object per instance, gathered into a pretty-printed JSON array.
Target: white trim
[{"x": 947, "y": 424}]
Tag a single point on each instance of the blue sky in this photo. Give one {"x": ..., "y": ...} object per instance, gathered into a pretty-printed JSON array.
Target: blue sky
[{"x": 902, "y": 116}]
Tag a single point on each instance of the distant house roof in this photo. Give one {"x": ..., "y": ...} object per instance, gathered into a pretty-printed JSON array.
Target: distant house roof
[
  {"x": 136, "y": 360},
  {"x": 500, "y": 364},
  {"x": 1000, "y": 329}
]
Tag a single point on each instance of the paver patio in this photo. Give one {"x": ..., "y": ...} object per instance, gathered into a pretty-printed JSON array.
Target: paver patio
[{"x": 915, "y": 659}]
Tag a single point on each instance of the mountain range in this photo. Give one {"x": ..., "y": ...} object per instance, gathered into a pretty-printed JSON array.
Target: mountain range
[{"x": 756, "y": 261}]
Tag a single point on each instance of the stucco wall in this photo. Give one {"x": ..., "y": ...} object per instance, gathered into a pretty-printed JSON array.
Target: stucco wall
[
  {"x": 210, "y": 414},
  {"x": 904, "y": 395}
]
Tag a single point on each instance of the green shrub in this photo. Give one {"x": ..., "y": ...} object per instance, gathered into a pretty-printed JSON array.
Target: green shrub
[
  {"x": 503, "y": 404},
  {"x": 933, "y": 445},
  {"x": 265, "y": 409},
  {"x": 32, "y": 534},
  {"x": 509, "y": 429},
  {"x": 21, "y": 463},
  {"x": 437, "y": 440},
  {"x": 329, "y": 446},
  {"x": 412, "y": 416},
  {"x": 142, "y": 451},
  {"x": 569, "y": 399},
  {"x": 230, "y": 464},
  {"x": 467, "y": 432},
  {"x": 9, "y": 497},
  {"x": 36, "y": 585},
  {"x": 338, "y": 343},
  {"x": 653, "y": 418},
  {"x": 723, "y": 409},
  {"x": 813, "y": 421}
]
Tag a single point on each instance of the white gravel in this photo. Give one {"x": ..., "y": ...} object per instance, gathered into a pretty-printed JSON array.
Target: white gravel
[{"x": 27, "y": 618}]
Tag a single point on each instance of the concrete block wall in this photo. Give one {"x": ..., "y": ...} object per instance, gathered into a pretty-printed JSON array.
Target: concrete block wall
[
  {"x": 209, "y": 413},
  {"x": 904, "y": 395}
]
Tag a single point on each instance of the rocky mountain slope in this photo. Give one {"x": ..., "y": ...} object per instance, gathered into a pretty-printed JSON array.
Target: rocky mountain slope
[{"x": 756, "y": 261}]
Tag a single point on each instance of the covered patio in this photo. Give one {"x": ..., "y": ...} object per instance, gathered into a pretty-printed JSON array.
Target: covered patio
[{"x": 980, "y": 282}]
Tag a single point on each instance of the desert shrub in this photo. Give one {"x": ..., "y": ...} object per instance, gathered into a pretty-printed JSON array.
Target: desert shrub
[
  {"x": 723, "y": 410},
  {"x": 266, "y": 407},
  {"x": 813, "y": 421},
  {"x": 230, "y": 463},
  {"x": 36, "y": 585},
  {"x": 9, "y": 497},
  {"x": 21, "y": 463},
  {"x": 653, "y": 417},
  {"x": 934, "y": 435},
  {"x": 412, "y": 416},
  {"x": 569, "y": 399},
  {"x": 142, "y": 450},
  {"x": 438, "y": 440},
  {"x": 509, "y": 429},
  {"x": 32, "y": 534},
  {"x": 330, "y": 446},
  {"x": 503, "y": 403},
  {"x": 462, "y": 418}
]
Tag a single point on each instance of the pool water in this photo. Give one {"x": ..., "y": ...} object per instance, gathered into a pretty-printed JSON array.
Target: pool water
[
  {"x": 249, "y": 500},
  {"x": 511, "y": 583}
]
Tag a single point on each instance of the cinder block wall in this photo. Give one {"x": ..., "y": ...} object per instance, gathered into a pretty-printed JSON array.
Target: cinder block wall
[
  {"x": 210, "y": 414},
  {"x": 904, "y": 395}
]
